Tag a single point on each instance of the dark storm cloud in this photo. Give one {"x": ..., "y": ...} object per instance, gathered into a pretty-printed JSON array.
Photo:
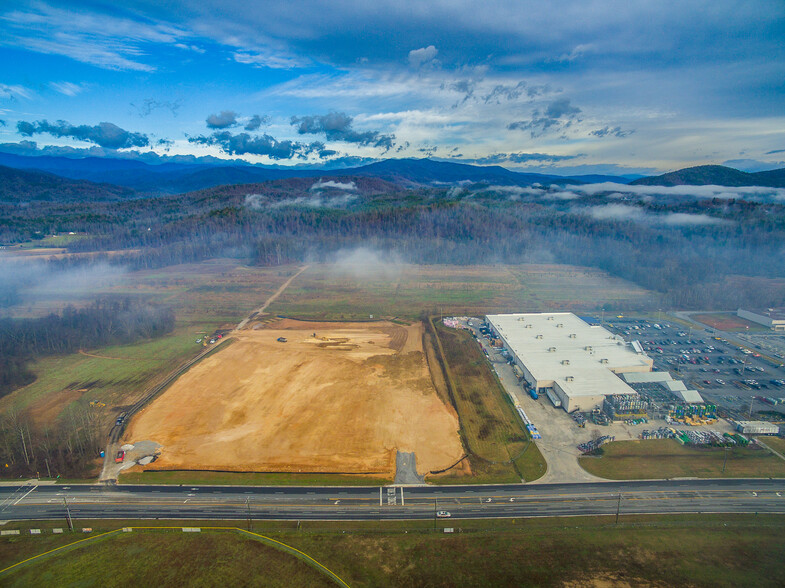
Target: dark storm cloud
[
  {"x": 611, "y": 131},
  {"x": 558, "y": 115},
  {"x": 225, "y": 120},
  {"x": 105, "y": 134},
  {"x": 337, "y": 126},
  {"x": 243, "y": 144},
  {"x": 255, "y": 122}
]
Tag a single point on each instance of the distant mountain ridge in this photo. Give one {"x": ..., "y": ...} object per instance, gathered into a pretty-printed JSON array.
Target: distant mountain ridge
[
  {"x": 172, "y": 178},
  {"x": 17, "y": 185},
  {"x": 715, "y": 175}
]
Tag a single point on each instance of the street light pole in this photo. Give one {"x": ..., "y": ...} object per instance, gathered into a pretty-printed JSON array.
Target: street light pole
[{"x": 618, "y": 508}]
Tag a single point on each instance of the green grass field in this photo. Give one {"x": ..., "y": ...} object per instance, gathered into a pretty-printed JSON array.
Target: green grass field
[
  {"x": 170, "y": 559},
  {"x": 666, "y": 458},
  {"x": 694, "y": 550},
  {"x": 326, "y": 292},
  {"x": 776, "y": 443},
  {"x": 491, "y": 431}
]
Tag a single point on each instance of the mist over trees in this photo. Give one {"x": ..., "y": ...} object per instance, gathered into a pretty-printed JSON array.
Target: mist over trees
[{"x": 695, "y": 252}]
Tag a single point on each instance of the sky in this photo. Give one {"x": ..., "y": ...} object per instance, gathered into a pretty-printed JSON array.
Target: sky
[{"x": 565, "y": 86}]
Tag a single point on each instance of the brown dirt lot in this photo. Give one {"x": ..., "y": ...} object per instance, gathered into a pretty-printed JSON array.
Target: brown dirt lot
[
  {"x": 725, "y": 322},
  {"x": 343, "y": 401}
]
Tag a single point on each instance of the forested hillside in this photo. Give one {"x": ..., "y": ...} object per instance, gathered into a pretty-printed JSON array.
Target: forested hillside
[{"x": 685, "y": 247}]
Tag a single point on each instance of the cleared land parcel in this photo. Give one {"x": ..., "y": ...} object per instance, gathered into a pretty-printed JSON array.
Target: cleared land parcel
[{"x": 333, "y": 398}]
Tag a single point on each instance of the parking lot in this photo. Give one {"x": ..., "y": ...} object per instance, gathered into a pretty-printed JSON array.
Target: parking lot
[{"x": 728, "y": 370}]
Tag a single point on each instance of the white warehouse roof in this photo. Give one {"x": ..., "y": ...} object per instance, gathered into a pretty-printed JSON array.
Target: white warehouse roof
[
  {"x": 562, "y": 350},
  {"x": 690, "y": 396},
  {"x": 645, "y": 377}
]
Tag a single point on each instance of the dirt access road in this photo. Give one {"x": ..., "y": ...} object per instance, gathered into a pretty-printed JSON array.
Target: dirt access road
[
  {"x": 270, "y": 300},
  {"x": 335, "y": 397}
]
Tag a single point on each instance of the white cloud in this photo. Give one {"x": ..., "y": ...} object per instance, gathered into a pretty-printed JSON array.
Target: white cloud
[
  {"x": 320, "y": 185},
  {"x": 13, "y": 91},
  {"x": 67, "y": 88},
  {"x": 422, "y": 56}
]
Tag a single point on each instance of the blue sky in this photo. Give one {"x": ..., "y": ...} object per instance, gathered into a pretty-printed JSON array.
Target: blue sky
[{"x": 561, "y": 86}]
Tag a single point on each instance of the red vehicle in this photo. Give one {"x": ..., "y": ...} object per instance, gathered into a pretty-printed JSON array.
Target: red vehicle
[{"x": 119, "y": 457}]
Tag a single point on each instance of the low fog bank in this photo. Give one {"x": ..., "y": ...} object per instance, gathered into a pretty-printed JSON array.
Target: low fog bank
[
  {"x": 362, "y": 263},
  {"x": 27, "y": 281}
]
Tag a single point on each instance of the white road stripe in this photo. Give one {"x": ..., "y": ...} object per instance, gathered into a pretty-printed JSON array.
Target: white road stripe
[{"x": 23, "y": 497}]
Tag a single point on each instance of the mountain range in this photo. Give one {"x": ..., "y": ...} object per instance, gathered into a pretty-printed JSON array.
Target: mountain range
[
  {"x": 173, "y": 178},
  {"x": 31, "y": 178},
  {"x": 716, "y": 175}
]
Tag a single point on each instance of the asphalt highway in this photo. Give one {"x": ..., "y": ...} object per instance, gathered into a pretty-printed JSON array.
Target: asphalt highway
[{"x": 388, "y": 503}]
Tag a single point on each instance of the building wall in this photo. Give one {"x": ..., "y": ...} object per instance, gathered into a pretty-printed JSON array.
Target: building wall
[{"x": 761, "y": 319}]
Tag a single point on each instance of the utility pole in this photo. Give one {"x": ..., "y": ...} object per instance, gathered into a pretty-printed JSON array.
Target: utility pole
[
  {"x": 752, "y": 400},
  {"x": 248, "y": 506},
  {"x": 618, "y": 508},
  {"x": 48, "y": 471},
  {"x": 435, "y": 507},
  {"x": 724, "y": 461},
  {"x": 68, "y": 514}
]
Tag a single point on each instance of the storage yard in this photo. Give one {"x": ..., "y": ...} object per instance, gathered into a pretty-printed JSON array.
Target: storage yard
[{"x": 305, "y": 397}]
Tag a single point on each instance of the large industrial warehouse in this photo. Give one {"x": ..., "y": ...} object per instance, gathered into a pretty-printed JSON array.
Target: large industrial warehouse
[{"x": 574, "y": 361}]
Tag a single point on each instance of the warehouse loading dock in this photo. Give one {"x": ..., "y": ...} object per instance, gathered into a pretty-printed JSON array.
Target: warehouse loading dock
[{"x": 561, "y": 355}]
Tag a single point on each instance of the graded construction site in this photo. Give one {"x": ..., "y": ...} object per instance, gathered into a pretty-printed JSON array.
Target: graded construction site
[{"x": 294, "y": 396}]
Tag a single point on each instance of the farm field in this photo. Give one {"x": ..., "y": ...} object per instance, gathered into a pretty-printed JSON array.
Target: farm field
[
  {"x": 338, "y": 292},
  {"x": 693, "y": 550},
  {"x": 666, "y": 458},
  {"x": 342, "y": 401}
]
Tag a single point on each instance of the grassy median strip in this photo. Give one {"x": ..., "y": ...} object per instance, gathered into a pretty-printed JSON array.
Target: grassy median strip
[{"x": 666, "y": 458}]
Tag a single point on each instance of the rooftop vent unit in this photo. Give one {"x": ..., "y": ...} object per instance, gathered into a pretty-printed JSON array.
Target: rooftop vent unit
[
  {"x": 520, "y": 318},
  {"x": 572, "y": 335},
  {"x": 604, "y": 360},
  {"x": 527, "y": 326},
  {"x": 588, "y": 348},
  {"x": 538, "y": 336},
  {"x": 550, "y": 318},
  {"x": 551, "y": 349},
  {"x": 565, "y": 362},
  {"x": 559, "y": 325},
  {"x": 569, "y": 379}
]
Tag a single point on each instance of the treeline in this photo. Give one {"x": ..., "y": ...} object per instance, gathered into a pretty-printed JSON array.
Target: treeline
[
  {"x": 104, "y": 322},
  {"x": 69, "y": 447}
]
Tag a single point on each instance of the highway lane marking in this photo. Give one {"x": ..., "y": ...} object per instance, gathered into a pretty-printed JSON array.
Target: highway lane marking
[{"x": 28, "y": 492}]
